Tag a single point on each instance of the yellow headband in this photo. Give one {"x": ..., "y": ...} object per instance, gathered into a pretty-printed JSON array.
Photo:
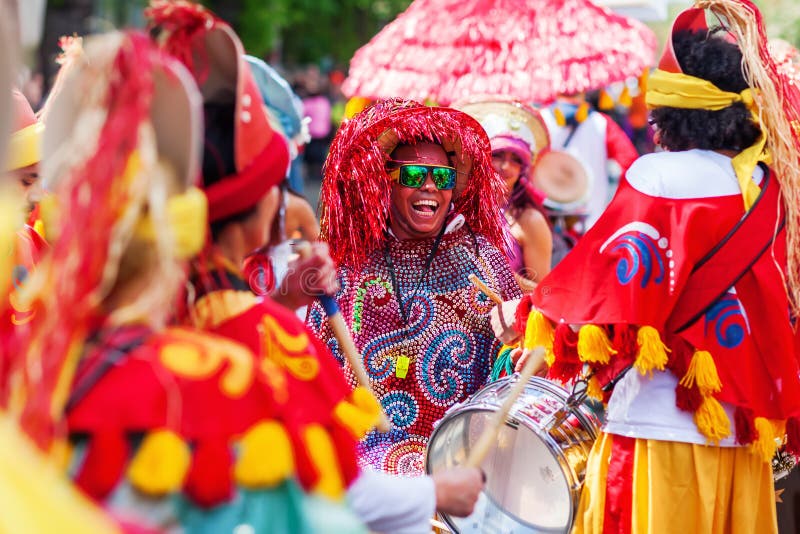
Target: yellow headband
[
  {"x": 187, "y": 216},
  {"x": 676, "y": 90},
  {"x": 24, "y": 146}
]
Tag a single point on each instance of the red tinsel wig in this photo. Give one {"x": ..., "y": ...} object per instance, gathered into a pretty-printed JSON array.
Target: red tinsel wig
[{"x": 356, "y": 190}]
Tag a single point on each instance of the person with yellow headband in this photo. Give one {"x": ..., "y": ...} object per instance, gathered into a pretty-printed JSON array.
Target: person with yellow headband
[{"x": 678, "y": 308}]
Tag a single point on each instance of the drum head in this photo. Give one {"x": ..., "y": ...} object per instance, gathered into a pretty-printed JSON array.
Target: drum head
[
  {"x": 526, "y": 490},
  {"x": 563, "y": 179}
]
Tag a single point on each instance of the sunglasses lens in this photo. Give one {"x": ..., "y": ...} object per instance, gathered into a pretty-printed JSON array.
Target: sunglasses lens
[
  {"x": 413, "y": 175},
  {"x": 444, "y": 177}
]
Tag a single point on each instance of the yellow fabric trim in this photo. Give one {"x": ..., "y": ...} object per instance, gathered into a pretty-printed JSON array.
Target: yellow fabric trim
[
  {"x": 683, "y": 487},
  {"x": 25, "y": 146},
  {"x": 677, "y": 90},
  {"x": 187, "y": 216},
  {"x": 198, "y": 356}
]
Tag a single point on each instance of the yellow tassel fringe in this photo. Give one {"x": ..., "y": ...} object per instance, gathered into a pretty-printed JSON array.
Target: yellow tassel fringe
[
  {"x": 360, "y": 414},
  {"x": 594, "y": 390},
  {"x": 770, "y": 436},
  {"x": 538, "y": 331},
  {"x": 652, "y": 351},
  {"x": 712, "y": 421},
  {"x": 161, "y": 463},
  {"x": 265, "y": 456},
  {"x": 703, "y": 372},
  {"x": 594, "y": 345},
  {"x": 323, "y": 454}
]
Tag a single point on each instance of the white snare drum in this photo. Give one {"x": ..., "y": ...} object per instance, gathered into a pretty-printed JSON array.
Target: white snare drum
[{"x": 535, "y": 472}]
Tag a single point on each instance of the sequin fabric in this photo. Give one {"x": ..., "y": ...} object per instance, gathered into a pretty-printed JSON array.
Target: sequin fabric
[{"x": 448, "y": 339}]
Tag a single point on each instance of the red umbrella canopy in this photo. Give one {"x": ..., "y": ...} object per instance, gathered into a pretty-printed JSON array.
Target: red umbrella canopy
[{"x": 530, "y": 50}]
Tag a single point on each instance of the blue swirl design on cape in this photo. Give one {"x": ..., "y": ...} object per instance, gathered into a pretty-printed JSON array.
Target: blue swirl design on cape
[
  {"x": 447, "y": 366},
  {"x": 401, "y": 408},
  {"x": 639, "y": 255},
  {"x": 727, "y": 320},
  {"x": 378, "y": 366}
]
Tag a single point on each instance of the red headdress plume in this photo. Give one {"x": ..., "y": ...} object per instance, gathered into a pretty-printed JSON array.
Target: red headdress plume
[
  {"x": 214, "y": 55},
  {"x": 355, "y": 196}
]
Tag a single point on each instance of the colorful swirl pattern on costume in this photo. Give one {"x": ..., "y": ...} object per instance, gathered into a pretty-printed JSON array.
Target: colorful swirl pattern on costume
[
  {"x": 642, "y": 251},
  {"x": 727, "y": 320},
  {"x": 448, "y": 339}
]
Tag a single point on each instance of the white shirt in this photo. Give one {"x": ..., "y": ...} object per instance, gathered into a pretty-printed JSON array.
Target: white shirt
[{"x": 644, "y": 407}]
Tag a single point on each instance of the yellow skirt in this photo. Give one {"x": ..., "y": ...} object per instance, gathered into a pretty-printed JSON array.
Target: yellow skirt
[{"x": 639, "y": 486}]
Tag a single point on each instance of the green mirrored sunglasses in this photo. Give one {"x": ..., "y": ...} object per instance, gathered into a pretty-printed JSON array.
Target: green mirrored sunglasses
[{"x": 414, "y": 175}]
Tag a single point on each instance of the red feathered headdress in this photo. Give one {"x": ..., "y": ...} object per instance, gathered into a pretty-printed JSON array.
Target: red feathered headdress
[
  {"x": 215, "y": 56},
  {"x": 356, "y": 190}
]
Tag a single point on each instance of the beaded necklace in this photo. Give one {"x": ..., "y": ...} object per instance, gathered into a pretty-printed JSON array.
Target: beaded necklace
[{"x": 402, "y": 361}]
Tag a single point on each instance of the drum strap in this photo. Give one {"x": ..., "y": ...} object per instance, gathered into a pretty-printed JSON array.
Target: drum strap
[{"x": 731, "y": 258}]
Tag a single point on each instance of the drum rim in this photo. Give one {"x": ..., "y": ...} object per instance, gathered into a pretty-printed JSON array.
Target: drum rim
[{"x": 588, "y": 423}]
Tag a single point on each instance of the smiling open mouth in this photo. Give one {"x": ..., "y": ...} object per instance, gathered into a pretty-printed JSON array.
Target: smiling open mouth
[{"x": 426, "y": 208}]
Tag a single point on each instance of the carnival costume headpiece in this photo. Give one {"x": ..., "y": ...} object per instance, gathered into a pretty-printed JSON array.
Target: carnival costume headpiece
[
  {"x": 356, "y": 189},
  {"x": 24, "y": 148},
  {"x": 121, "y": 154},
  {"x": 215, "y": 56},
  {"x": 773, "y": 100},
  {"x": 511, "y": 126}
]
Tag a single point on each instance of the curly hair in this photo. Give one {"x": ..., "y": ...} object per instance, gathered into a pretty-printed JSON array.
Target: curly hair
[{"x": 707, "y": 55}]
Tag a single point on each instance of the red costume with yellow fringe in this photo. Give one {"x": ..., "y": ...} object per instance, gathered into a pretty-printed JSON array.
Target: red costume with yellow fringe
[
  {"x": 327, "y": 416},
  {"x": 691, "y": 362}
]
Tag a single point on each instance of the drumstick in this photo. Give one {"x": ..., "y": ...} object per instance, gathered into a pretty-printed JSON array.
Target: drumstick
[
  {"x": 342, "y": 334},
  {"x": 489, "y": 436},
  {"x": 486, "y": 290}
]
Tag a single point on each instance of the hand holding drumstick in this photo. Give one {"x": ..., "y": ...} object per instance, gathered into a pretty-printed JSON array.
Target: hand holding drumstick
[{"x": 348, "y": 347}]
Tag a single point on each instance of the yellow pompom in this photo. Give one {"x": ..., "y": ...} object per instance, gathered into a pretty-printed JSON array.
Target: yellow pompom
[
  {"x": 770, "y": 436},
  {"x": 323, "y": 454},
  {"x": 605, "y": 102},
  {"x": 652, "y": 351},
  {"x": 703, "y": 372},
  {"x": 625, "y": 98},
  {"x": 712, "y": 421},
  {"x": 594, "y": 345},
  {"x": 558, "y": 115},
  {"x": 538, "y": 331},
  {"x": 265, "y": 456},
  {"x": 160, "y": 464},
  {"x": 594, "y": 390},
  {"x": 360, "y": 414}
]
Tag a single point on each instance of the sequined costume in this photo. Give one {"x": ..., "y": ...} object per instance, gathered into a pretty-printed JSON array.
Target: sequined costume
[
  {"x": 420, "y": 325},
  {"x": 448, "y": 339}
]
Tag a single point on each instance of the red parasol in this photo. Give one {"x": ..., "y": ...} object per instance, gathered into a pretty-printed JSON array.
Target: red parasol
[
  {"x": 787, "y": 59},
  {"x": 529, "y": 50}
]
